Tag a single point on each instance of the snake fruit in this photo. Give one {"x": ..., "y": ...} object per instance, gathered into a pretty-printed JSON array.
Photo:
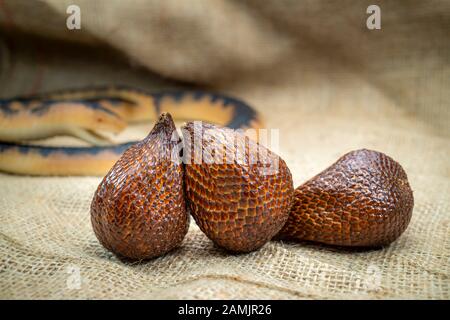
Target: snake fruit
[
  {"x": 362, "y": 200},
  {"x": 238, "y": 192},
  {"x": 139, "y": 210}
]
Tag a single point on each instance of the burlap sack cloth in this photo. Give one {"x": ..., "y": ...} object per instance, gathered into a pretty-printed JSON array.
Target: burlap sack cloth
[{"x": 311, "y": 68}]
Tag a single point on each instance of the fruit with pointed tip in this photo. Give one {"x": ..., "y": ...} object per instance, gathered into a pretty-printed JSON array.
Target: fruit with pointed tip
[
  {"x": 238, "y": 192},
  {"x": 364, "y": 200},
  {"x": 139, "y": 210}
]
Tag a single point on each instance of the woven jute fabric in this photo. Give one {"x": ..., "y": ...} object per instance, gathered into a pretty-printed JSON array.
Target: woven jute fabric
[{"x": 312, "y": 69}]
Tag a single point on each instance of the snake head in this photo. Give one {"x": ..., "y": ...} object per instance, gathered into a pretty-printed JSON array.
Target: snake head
[{"x": 87, "y": 120}]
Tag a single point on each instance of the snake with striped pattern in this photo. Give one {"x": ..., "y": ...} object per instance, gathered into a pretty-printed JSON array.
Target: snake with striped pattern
[{"x": 84, "y": 113}]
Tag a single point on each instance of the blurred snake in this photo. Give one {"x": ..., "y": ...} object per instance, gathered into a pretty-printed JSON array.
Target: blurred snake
[{"x": 85, "y": 113}]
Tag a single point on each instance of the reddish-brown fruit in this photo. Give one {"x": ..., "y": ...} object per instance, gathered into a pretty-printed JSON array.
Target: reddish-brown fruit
[
  {"x": 138, "y": 210},
  {"x": 364, "y": 199},
  {"x": 239, "y": 197}
]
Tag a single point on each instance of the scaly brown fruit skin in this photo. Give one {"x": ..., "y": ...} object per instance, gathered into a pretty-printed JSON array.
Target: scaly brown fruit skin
[
  {"x": 234, "y": 203},
  {"x": 139, "y": 209},
  {"x": 362, "y": 200}
]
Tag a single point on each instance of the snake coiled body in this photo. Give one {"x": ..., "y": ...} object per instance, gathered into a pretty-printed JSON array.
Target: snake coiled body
[{"x": 86, "y": 113}]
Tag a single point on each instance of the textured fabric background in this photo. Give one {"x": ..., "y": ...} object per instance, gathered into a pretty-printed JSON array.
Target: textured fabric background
[{"x": 311, "y": 68}]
